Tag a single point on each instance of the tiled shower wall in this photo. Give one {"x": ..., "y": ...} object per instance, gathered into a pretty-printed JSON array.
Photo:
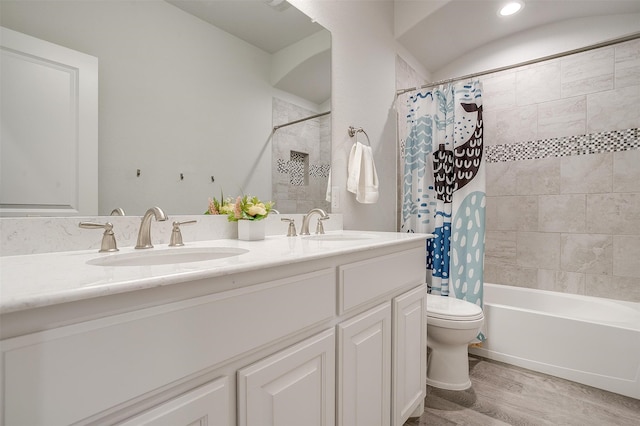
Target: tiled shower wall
[
  {"x": 563, "y": 174},
  {"x": 301, "y": 155}
]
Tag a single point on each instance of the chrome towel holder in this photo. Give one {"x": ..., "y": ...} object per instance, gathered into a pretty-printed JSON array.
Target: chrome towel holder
[{"x": 353, "y": 132}]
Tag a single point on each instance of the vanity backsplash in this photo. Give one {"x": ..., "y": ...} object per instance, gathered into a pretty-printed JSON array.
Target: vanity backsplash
[{"x": 33, "y": 235}]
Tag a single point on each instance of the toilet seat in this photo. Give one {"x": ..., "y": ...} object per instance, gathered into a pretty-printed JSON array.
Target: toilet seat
[{"x": 452, "y": 309}]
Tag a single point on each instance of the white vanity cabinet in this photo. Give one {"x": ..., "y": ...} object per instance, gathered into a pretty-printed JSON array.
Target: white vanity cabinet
[
  {"x": 382, "y": 351},
  {"x": 337, "y": 339}
]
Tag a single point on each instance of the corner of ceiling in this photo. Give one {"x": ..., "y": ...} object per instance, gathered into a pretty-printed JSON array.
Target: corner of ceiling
[{"x": 409, "y": 13}]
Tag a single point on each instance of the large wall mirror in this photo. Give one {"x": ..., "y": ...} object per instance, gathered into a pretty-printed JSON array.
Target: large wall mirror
[{"x": 189, "y": 94}]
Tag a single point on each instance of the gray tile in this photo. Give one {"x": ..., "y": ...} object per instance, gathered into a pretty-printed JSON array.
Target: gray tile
[
  {"x": 586, "y": 173},
  {"x": 561, "y": 213},
  {"x": 613, "y": 287},
  {"x": 587, "y": 253},
  {"x": 538, "y": 83},
  {"x": 490, "y": 129},
  {"x": 546, "y": 279},
  {"x": 518, "y": 124},
  {"x": 499, "y": 91},
  {"x": 538, "y": 249},
  {"x": 500, "y": 247},
  {"x": 588, "y": 72},
  {"x": 613, "y": 110},
  {"x": 565, "y": 117},
  {"x": 627, "y": 64},
  {"x": 501, "y": 178},
  {"x": 495, "y": 273},
  {"x": 570, "y": 282},
  {"x": 626, "y": 253},
  {"x": 626, "y": 171},
  {"x": 527, "y": 277},
  {"x": 615, "y": 213},
  {"x": 538, "y": 176},
  {"x": 512, "y": 213}
]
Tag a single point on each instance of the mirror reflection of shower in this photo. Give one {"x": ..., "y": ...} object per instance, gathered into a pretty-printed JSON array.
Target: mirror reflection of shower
[{"x": 301, "y": 156}]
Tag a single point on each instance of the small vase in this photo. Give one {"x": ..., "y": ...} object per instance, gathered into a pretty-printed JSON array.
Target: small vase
[{"x": 251, "y": 230}]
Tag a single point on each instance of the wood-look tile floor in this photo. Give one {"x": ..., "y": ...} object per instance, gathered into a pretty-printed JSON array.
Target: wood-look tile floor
[{"x": 503, "y": 394}]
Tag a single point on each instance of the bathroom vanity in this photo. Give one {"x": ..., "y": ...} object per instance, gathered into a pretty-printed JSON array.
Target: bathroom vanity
[{"x": 316, "y": 330}]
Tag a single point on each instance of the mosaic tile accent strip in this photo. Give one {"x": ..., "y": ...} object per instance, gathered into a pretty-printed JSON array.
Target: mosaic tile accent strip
[
  {"x": 319, "y": 170},
  {"x": 595, "y": 143}
]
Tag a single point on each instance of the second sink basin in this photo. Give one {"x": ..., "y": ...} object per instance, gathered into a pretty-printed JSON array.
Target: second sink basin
[{"x": 166, "y": 257}]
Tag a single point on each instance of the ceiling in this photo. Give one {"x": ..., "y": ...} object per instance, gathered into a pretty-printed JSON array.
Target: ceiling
[
  {"x": 270, "y": 28},
  {"x": 273, "y": 27},
  {"x": 463, "y": 25}
]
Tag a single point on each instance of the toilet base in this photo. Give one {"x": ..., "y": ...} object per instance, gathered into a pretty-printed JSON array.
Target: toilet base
[
  {"x": 448, "y": 367},
  {"x": 449, "y": 386}
]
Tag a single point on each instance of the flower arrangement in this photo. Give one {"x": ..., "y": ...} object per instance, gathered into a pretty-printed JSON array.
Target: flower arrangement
[{"x": 243, "y": 208}]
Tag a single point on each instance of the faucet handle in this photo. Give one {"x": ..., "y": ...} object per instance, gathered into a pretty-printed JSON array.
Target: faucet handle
[
  {"x": 108, "y": 238},
  {"x": 320, "y": 226},
  {"x": 291, "y": 232},
  {"x": 176, "y": 234}
]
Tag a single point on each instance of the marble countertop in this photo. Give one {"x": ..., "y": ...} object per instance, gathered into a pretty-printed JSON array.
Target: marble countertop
[{"x": 37, "y": 280}]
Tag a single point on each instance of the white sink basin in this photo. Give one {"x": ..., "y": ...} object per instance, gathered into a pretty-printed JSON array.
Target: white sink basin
[
  {"x": 339, "y": 237},
  {"x": 167, "y": 256}
]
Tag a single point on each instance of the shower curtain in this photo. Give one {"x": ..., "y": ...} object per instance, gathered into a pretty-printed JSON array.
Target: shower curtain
[{"x": 444, "y": 186}]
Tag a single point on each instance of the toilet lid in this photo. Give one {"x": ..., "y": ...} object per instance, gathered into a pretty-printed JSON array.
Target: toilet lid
[{"x": 452, "y": 309}]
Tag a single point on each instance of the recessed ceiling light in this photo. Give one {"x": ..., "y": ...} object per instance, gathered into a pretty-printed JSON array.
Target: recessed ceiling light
[
  {"x": 511, "y": 7},
  {"x": 278, "y": 4}
]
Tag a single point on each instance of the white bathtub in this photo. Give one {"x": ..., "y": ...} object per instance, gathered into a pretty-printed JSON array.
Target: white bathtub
[{"x": 588, "y": 340}]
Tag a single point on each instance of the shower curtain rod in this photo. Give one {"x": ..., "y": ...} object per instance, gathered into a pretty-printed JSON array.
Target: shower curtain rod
[
  {"x": 533, "y": 61},
  {"x": 301, "y": 120}
]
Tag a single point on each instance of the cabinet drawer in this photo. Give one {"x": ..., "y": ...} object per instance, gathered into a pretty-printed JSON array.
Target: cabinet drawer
[
  {"x": 67, "y": 374},
  {"x": 364, "y": 281}
]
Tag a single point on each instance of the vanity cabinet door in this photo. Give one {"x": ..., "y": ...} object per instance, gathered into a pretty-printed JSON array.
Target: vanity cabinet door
[
  {"x": 409, "y": 354},
  {"x": 295, "y": 386},
  {"x": 364, "y": 368},
  {"x": 206, "y": 405}
]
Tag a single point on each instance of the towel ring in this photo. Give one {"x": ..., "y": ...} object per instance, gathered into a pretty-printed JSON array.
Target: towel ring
[{"x": 353, "y": 131}]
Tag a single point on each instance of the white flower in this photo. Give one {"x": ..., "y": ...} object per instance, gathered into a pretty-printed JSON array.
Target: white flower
[{"x": 257, "y": 209}]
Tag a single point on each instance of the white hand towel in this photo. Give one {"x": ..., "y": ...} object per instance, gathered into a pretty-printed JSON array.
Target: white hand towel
[
  {"x": 362, "y": 178},
  {"x": 353, "y": 167},
  {"x": 368, "y": 185},
  {"x": 327, "y": 196}
]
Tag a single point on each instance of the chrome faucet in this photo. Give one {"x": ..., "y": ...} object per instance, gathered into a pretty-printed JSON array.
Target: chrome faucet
[
  {"x": 144, "y": 235},
  {"x": 307, "y": 217}
]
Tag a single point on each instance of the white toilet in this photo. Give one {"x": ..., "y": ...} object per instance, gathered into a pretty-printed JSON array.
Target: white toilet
[{"x": 451, "y": 325}]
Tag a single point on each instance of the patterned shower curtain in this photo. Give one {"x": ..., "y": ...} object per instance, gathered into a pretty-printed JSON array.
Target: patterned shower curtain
[{"x": 444, "y": 186}]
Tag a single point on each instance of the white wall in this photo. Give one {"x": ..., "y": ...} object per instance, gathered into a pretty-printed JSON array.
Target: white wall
[
  {"x": 176, "y": 95},
  {"x": 363, "y": 90}
]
